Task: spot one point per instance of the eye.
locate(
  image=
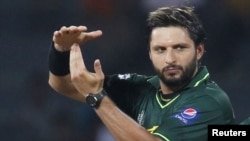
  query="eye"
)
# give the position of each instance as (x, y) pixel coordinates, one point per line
(159, 49)
(179, 47)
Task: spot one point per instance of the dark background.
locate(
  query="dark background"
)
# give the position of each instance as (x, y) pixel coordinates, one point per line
(31, 111)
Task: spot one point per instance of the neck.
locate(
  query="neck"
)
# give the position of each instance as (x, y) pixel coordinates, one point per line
(169, 90)
(165, 89)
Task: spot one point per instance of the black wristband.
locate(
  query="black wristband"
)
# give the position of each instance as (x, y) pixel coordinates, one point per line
(58, 61)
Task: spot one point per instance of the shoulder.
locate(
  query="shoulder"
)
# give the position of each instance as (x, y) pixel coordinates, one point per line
(209, 95)
(245, 121)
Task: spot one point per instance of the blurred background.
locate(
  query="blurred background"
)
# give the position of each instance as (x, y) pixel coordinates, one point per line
(31, 111)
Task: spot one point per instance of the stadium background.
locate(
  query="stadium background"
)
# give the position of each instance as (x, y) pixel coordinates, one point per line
(31, 110)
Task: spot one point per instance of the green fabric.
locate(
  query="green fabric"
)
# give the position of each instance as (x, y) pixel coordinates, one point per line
(245, 121)
(185, 117)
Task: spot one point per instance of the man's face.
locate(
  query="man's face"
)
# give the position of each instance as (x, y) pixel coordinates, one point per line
(174, 55)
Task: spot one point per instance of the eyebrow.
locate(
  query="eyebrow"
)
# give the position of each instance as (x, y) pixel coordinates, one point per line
(181, 44)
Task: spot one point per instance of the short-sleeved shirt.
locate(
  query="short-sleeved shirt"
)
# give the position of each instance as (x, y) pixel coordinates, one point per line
(245, 121)
(184, 117)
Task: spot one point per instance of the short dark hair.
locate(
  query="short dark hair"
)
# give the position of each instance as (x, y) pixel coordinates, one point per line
(177, 16)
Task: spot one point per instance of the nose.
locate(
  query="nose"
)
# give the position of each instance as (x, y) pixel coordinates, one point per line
(170, 57)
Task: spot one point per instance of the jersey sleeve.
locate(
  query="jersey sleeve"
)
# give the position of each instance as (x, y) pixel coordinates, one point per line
(123, 89)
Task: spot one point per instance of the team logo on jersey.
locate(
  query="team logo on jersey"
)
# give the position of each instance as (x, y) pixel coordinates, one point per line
(186, 115)
(189, 113)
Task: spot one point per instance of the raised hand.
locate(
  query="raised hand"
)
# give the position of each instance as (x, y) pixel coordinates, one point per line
(65, 37)
(83, 80)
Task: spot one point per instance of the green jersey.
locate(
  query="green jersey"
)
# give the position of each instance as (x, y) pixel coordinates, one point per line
(182, 116)
(245, 121)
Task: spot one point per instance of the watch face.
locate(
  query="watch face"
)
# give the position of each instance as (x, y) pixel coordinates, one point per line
(94, 100)
(91, 100)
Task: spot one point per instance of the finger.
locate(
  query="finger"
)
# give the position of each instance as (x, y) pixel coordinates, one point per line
(64, 30)
(82, 28)
(76, 60)
(56, 35)
(73, 29)
(91, 35)
(77, 29)
(98, 69)
(63, 27)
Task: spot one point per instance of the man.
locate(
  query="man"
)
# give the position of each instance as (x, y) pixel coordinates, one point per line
(176, 104)
(245, 121)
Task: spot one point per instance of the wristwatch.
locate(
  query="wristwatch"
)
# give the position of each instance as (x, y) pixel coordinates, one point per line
(94, 100)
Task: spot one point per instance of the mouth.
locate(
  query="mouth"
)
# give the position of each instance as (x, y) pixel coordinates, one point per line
(172, 70)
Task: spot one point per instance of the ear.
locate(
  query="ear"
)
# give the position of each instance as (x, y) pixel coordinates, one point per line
(150, 56)
(200, 50)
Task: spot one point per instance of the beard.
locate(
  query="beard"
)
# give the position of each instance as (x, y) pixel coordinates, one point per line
(176, 83)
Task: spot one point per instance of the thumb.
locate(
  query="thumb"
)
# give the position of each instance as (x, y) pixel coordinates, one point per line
(98, 69)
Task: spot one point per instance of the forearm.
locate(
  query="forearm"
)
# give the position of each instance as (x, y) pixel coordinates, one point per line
(64, 86)
(121, 126)
(59, 73)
